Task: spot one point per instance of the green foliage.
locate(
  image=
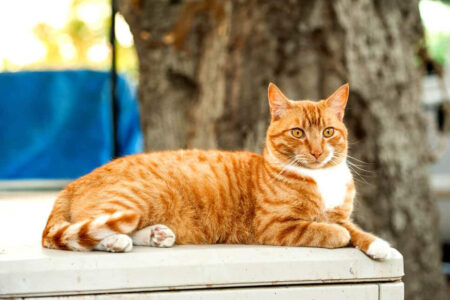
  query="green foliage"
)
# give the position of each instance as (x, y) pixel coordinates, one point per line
(438, 45)
(83, 42)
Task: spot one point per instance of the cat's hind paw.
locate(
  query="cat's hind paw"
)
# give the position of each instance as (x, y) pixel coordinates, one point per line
(115, 243)
(379, 249)
(156, 236)
(162, 236)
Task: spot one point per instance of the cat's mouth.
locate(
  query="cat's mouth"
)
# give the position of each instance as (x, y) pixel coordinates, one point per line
(310, 164)
(315, 163)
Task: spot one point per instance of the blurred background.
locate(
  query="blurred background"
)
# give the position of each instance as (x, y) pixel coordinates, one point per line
(56, 61)
(65, 34)
(76, 92)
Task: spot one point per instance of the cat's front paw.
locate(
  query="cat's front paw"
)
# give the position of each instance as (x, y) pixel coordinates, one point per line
(334, 236)
(379, 249)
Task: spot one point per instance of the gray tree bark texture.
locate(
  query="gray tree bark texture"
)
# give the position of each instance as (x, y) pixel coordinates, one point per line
(204, 72)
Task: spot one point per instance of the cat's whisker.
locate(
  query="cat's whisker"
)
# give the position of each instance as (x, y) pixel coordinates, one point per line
(334, 162)
(358, 176)
(360, 169)
(353, 163)
(354, 167)
(358, 160)
(300, 159)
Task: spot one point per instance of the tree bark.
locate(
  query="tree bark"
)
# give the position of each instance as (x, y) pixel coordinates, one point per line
(206, 87)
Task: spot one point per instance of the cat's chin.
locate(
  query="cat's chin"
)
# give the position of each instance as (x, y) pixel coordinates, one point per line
(313, 166)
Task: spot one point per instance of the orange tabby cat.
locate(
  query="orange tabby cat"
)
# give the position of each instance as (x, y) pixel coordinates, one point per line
(298, 193)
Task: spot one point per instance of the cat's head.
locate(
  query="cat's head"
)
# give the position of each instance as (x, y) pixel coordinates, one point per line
(310, 133)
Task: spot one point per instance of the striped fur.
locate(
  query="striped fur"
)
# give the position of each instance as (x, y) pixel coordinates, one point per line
(208, 197)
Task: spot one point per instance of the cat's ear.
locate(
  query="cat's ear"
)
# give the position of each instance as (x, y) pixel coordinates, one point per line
(278, 102)
(338, 100)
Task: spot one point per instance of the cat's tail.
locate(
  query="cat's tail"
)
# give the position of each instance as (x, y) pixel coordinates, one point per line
(60, 233)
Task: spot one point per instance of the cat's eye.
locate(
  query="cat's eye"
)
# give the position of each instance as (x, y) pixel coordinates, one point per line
(297, 133)
(328, 132)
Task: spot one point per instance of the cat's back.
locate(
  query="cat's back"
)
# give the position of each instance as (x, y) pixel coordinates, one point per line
(197, 160)
(203, 167)
(178, 167)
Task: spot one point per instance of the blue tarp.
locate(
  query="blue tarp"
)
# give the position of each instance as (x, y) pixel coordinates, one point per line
(57, 124)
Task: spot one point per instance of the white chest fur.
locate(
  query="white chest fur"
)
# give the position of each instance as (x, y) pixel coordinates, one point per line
(331, 182)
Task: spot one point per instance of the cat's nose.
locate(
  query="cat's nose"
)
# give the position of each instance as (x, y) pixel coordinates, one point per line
(316, 154)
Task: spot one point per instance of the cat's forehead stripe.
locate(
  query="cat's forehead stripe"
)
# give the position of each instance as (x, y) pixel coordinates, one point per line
(310, 115)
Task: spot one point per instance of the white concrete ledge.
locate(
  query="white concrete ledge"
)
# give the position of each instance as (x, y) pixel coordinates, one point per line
(35, 272)
(27, 270)
(384, 291)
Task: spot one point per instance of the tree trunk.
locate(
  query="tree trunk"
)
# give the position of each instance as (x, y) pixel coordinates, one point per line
(204, 70)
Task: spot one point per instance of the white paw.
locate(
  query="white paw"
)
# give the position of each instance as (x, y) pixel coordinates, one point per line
(116, 243)
(380, 249)
(161, 236)
(156, 236)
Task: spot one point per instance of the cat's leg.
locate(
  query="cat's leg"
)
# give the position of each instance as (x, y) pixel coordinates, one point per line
(115, 243)
(303, 233)
(373, 246)
(86, 234)
(156, 236)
